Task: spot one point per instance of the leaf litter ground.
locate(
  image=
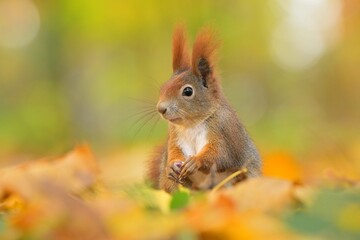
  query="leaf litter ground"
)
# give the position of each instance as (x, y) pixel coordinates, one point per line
(73, 197)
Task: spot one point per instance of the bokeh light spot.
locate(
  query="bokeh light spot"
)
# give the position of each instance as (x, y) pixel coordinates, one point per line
(304, 33)
(19, 23)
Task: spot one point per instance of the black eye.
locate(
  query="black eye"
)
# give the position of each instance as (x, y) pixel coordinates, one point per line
(187, 92)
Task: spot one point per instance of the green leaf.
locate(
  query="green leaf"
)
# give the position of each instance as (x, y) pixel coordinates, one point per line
(179, 200)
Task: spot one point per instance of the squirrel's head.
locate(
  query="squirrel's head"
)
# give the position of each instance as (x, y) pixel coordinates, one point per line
(193, 92)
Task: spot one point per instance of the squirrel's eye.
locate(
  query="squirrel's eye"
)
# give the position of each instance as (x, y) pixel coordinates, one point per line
(187, 92)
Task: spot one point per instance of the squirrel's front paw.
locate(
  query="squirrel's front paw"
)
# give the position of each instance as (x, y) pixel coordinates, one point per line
(188, 168)
(174, 169)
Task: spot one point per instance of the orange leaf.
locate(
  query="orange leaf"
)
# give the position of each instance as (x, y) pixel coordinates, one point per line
(282, 165)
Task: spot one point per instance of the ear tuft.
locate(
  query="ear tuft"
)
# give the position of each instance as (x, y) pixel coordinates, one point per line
(204, 70)
(180, 55)
(204, 54)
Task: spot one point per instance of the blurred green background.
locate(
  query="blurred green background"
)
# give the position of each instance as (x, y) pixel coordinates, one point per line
(82, 71)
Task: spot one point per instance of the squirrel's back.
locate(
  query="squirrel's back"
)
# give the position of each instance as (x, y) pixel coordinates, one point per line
(240, 147)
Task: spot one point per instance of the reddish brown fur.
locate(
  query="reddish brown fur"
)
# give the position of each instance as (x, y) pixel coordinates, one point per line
(179, 51)
(228, 147)
(153, 169)
(171, 88)
(205, 46)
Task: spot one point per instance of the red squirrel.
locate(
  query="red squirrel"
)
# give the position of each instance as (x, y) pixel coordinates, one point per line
(206, 142)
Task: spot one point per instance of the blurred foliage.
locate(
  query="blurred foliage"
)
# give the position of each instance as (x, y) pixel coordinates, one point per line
(79, 77)
(333, 215)
(38, 199)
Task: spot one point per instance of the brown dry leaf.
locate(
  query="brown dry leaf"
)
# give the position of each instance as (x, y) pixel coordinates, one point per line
(245, 211)
(333, 177)
(263, 194)
(54, 214)
(220, 219)
(75, 172)
(256, 226)
(40, 197)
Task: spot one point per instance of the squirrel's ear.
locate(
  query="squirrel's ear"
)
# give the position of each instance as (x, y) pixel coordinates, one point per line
(180, 55)
(204, 54)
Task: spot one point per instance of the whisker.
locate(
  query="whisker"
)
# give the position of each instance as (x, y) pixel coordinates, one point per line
(144, 108)
(146, 120)
(147, 107)
(141, 113)
(144, 116)
(154, 124)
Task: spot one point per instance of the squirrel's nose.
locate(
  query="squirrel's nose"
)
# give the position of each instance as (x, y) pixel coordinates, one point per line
(162, 108)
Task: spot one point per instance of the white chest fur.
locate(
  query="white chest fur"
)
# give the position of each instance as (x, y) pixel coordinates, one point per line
(192, 140)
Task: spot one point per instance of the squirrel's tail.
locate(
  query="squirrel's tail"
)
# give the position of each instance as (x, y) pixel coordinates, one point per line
(154, 166)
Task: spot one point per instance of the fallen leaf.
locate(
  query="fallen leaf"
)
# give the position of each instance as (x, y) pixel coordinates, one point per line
(75, 172)
(282, 165)
(263, 194)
